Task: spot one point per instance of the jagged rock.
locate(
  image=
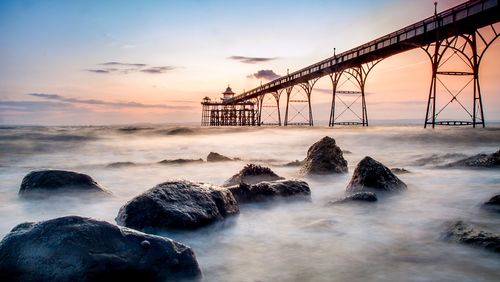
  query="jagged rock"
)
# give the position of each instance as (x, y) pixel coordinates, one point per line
(216, 157)
(180, 161)
(120, 164)
(74, 248)
(294, 163)
(397, 170)
(178, 205)
(252, 174)
(464, 233)
(480, 160)
(371, 174)
(493, 203)
(47, 182)
(357, 197)
(245, 193)
(324, 157)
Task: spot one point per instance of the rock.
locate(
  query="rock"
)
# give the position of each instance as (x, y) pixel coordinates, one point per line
(252, 174)
(480, 160)
(216, 157)
(493, 203)
(397, 170)
(120, 164)
(75, 248)
(346, 152)
(47, 182)
(357, 197)
(464, 233)
(178, 205)
(180, 161)
(245, 193)
(371, 174)
(294, 163)
(324, 157)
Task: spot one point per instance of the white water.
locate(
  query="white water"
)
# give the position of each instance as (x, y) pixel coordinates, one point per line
(395, 239)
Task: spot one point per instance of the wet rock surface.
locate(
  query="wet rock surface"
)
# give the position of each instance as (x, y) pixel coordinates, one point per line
(493, 204)
(178, 205)
(246, 193)
(357, 197)
(47, 182)
(216, 157)
(324, 157)
(371, 174)
(480, 160)
(252, 174)
(465, 233)
(82, 249)
(180, 161)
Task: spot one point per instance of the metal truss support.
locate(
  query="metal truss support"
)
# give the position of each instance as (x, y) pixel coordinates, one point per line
(470, 49)
(358, 76)
(269, 108)
(304, 100)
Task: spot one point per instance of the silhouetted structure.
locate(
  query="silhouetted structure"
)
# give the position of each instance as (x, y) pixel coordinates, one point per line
(464, 32)
(223, 114)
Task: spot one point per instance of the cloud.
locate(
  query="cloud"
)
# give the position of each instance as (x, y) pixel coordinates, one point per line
(125, 68)
(250, 60)
(30, 106)
(158, 69)
(56, 97)
(264, 74)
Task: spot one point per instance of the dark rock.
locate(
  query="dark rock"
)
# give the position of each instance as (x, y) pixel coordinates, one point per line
(40, 183)
(252, 174)
(178, 205)
(480, 160)
(216, 157)
(120, 164)
(324, 157)
(397, 170)
(245, 193)
(370, 174)
(464, 233)
(180, 131)
(493, 203)
(436, 159)
(346, 152)
(74, 248)
(358, 197)
(294, 163)
(180, 161)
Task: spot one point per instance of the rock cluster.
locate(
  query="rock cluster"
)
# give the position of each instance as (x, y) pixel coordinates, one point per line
(480, 160)
(245, 193)
(465, 233)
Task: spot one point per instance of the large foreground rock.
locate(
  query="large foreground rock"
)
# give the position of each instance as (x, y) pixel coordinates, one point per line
(493, 203)
(252, 174)
(371, 174)
(357, 197)
(245, 193)
(47, 182)
(178, 205)
(82, 249)
(480, 160)
(216, 157)
(324, 157)
(464, 233)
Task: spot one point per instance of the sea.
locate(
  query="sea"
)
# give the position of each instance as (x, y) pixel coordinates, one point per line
(397, 238)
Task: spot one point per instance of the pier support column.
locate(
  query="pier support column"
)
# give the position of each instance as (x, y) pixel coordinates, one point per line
(299, 99)
(269, 108)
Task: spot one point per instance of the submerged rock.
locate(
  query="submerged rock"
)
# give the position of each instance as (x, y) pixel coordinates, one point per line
(252, 174)
(371, 174)
(120, 164)
(324, 157)
(180, 161)
(46, 182)
(178, 205)
(245, 193)
(294, 163)
(464, 233)
(397, 170)
(480, 160)
(493, 203)
(216, 157)
(357, 197)
(74, 248)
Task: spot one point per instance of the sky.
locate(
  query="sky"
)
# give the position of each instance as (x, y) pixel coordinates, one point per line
(90, 62)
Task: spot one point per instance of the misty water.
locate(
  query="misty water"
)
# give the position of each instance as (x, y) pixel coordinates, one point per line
(397, 238)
